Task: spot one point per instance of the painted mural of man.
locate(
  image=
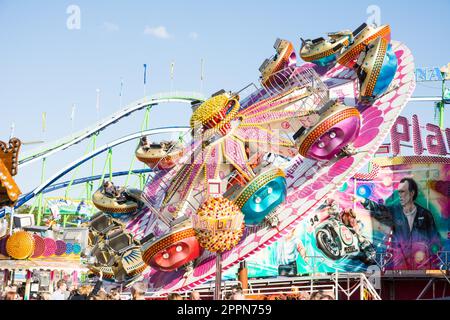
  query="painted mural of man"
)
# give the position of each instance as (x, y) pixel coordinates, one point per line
(414, 233)
(288, 250)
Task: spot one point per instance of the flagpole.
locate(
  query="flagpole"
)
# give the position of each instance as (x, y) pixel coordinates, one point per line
(120, 94)
(201, 75)
(44, 122)
(97, 105)
(72, 116)
(172, 67)
(11, 133)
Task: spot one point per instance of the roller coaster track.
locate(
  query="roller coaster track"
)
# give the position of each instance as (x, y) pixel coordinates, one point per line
(182, 97)
(66, 142)
(49, 182)
(62, 185)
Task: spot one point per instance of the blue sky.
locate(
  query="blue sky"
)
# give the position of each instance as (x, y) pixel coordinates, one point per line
(44, 66)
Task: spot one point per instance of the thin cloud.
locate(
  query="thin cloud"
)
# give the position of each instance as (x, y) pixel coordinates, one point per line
(111, 27)
(158, 32)
(193, 35)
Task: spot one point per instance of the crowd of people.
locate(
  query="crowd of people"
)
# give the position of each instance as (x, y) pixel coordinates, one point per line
(86, 292)
(236, 293)
(304, 295)
(98, 292)
(62, 292)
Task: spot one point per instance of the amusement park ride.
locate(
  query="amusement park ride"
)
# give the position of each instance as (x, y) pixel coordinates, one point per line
(9, 157)
(247, 169)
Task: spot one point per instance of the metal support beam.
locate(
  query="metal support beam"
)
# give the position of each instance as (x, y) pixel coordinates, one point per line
(430, 282)
(39, 215)
(442, 104)
(144, 127)
(218, 286)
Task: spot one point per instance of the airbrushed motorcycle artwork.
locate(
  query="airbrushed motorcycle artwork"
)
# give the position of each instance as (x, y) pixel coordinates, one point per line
(337, 235)
(272, 155)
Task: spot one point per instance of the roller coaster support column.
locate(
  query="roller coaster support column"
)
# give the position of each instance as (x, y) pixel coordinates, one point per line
(90, 184)
(66, 195)
(142, 181)
(110, 164)
(108, 160)
(39, 215)
(144, 126)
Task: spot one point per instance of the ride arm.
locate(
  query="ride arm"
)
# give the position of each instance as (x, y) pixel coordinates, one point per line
(97, 287)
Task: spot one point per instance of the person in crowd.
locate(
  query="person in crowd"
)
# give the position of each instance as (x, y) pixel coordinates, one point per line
(237, 293)
(61, 291)
(138, 291)
(11, 295)
(114, 294)
(101, 295)
(21, 292)
(321, 295)
(44, 296)
(174, 296)
(227, 295)
(82, 293)
(282, 296)
(194, 295)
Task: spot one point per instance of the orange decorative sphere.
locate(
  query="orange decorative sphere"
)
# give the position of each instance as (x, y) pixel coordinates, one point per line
(20, 245)
(219, 224)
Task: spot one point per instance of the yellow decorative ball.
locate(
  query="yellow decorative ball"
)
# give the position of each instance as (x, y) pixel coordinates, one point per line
(20, 245)
(219, 224)
(209, 109)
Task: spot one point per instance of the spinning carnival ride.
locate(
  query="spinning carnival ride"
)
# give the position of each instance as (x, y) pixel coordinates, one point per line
(273, 156)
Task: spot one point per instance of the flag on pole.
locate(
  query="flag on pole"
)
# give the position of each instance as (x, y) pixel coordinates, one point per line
(44, 120)
(172, 67)
(145, 73)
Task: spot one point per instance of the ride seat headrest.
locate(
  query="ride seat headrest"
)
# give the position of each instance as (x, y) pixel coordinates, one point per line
(317, 40)
(359, 29)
